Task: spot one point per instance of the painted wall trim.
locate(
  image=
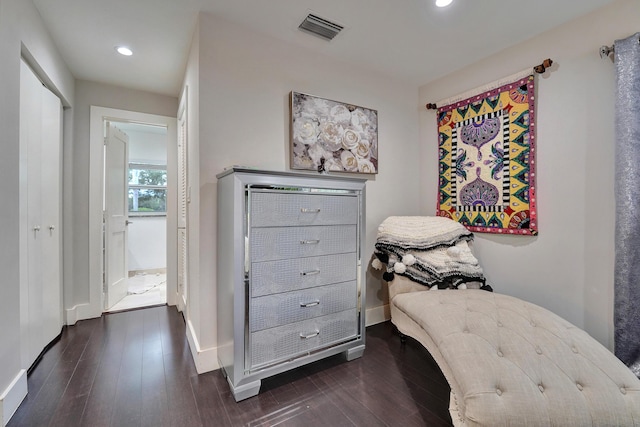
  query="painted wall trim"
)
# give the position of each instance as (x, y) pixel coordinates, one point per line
(205, 360)
(80, 312)
(12, 397)
(377, 315)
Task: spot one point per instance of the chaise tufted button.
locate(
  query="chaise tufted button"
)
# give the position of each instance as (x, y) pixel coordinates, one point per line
(623, 390)
(541, 388)
(500, 353)
(538, 350)
(500, 324)
(574, 349)
(579, 386)
(533, 323)
(499, 392)
(465, 330)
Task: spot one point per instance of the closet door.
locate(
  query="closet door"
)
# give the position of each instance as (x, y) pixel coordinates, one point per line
(31, 136)
(51, 166)
(41, 137)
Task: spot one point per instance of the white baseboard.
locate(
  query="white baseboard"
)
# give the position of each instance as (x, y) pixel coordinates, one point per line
(80, 312)
(377, 315)
(71, 316)
(205, 360)
(11, 398)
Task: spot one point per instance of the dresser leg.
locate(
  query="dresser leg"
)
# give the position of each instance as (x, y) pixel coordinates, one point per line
(354, 353)
(245, 391)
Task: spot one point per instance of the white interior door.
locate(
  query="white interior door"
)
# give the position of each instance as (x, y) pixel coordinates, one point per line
(31, 136)
(115, 214)
(40, 167)
(51, 167)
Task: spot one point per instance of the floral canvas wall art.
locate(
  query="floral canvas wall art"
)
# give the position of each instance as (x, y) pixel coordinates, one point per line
(331, 136)
(487, 160)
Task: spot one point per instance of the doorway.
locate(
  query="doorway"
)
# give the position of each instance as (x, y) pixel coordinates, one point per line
(98, 268)
(145, 244)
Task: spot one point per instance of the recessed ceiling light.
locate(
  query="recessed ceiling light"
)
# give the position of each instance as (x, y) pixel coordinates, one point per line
(443, 3)
(123, 50)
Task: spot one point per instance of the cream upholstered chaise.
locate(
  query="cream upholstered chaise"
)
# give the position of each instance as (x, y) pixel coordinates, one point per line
(508, 362)
(513, 363)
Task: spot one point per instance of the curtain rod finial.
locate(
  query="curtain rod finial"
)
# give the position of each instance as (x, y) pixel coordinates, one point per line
(605, 51)
(542, 67)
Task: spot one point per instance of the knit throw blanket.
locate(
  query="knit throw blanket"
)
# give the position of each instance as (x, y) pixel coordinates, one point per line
(433, 251)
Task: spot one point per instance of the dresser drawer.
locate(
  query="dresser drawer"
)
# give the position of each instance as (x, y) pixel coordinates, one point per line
(280, 309)
(283, 209)
(270, 244)
(271, 277)
(284, 342)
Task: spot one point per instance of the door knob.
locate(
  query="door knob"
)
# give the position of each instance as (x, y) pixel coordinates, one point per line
(127, 222)
(36, 228)
(52, 227)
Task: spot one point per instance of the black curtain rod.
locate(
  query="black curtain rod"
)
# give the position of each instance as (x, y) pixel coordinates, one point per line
(538, 69)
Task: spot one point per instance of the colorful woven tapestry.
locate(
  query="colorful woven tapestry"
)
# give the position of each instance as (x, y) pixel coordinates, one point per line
(487, 160)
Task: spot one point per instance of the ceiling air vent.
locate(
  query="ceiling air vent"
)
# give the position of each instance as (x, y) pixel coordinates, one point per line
(320, 27)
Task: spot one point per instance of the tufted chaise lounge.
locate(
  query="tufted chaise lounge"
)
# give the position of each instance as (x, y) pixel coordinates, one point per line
(513, 363)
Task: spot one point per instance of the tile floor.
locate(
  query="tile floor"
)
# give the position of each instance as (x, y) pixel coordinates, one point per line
(144, 290)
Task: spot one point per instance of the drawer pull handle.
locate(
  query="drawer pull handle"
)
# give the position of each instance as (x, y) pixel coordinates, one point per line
(309, 242)
(310, 273)
(311, 335)
(310, 304)
(307, 210)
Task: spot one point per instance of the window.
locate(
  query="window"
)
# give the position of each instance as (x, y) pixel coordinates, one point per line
(147, 189)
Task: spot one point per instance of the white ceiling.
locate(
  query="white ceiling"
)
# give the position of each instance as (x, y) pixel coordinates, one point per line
(411, 40)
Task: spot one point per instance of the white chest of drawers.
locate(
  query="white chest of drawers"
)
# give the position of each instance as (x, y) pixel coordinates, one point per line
(289, 272)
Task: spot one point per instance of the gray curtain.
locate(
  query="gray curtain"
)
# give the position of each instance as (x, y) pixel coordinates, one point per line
(627, 194)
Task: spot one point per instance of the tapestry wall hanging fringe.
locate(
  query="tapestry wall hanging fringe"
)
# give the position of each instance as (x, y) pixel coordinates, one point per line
(487, 157)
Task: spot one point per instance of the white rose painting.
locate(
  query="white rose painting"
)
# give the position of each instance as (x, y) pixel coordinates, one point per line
(330, 136)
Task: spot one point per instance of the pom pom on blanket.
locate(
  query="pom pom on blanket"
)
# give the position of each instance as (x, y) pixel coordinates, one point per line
(384, 258)
(377, 264)
(399, 268)
(408, 259)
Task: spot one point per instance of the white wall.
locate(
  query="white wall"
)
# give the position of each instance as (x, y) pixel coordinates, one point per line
(243, 86)
(21, 29)
(568, 268)
(147, 147)
(147, 243)
(190, 98)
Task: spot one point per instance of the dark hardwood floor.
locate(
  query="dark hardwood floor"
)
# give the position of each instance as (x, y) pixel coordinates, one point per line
(135, 369)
